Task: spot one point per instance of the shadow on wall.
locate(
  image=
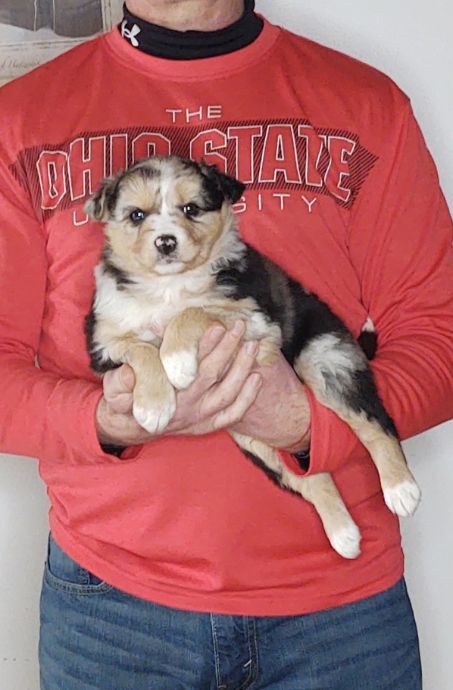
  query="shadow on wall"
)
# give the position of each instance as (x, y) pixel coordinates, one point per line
(65, 17)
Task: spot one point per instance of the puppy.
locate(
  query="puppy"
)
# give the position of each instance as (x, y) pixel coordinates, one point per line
(174, 262)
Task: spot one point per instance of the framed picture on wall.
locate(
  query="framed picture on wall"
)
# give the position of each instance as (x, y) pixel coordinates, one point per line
(35, 31)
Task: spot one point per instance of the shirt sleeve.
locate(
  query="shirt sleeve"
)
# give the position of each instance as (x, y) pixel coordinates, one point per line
(400, 243)
(41, 414)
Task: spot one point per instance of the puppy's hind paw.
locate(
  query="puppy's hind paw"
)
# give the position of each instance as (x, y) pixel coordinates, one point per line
(403, 499)
(346, 541)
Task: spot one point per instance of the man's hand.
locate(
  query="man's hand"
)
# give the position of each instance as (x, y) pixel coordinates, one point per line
(220, 396)
(280, 415)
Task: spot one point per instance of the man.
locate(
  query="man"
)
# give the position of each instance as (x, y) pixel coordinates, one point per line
(174, 563)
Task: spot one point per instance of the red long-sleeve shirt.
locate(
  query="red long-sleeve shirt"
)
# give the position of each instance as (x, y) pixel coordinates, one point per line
(342, 192)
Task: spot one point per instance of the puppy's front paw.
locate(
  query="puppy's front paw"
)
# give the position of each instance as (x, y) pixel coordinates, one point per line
(154, 411)
(180, 367)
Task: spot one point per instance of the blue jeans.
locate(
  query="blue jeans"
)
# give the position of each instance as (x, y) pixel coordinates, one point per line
(94, 637)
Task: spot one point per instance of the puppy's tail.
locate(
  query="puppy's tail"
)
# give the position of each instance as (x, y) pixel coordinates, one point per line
(368, 339)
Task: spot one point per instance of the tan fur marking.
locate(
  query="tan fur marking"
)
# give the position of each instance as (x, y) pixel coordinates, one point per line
(268, 352)
(179, 349)
(140, 192)
(154, 399)
(317, 489)
(185, 330)
(257, 327)
(385, 450)
(133, 245)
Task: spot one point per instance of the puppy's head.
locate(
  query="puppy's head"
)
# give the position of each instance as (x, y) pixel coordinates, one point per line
(165, 215)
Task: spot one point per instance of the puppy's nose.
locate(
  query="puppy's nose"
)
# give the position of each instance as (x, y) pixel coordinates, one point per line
(166, 244)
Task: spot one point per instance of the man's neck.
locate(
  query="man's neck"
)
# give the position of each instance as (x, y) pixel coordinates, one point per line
(187, 15)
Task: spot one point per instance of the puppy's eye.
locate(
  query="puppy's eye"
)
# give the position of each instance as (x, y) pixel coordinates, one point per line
(191, 210)
(137, 215)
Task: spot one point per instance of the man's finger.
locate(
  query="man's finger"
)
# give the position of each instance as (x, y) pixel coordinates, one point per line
(222, 395)
(210, 339)
(233, 414)
(214, 364)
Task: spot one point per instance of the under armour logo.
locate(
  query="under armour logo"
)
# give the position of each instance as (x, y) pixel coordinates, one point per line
(130, 34)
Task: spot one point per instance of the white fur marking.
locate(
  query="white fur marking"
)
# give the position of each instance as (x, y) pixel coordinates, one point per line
(346, 541)
(154, 420)
(181, 368)
(330, 354)
(148, 336)
(403, 498)
(368, 326)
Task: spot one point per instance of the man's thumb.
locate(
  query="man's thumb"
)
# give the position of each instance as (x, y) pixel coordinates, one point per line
(126, 378)
(118, 386)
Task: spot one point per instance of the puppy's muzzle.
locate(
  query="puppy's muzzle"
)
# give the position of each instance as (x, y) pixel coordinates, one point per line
(166, 244)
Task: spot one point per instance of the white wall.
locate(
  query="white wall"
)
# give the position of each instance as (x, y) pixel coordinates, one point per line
(410, 40)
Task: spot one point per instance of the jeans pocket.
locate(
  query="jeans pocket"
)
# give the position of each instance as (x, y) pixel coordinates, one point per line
(65, 575)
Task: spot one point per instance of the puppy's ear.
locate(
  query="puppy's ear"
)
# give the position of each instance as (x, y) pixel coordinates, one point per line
(101, 204)
(230, 187)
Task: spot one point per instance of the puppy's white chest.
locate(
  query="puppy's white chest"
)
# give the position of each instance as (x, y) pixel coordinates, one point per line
(145, 312)
(152, 319)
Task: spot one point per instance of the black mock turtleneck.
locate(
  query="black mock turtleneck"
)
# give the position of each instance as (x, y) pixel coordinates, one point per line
(191, 45)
